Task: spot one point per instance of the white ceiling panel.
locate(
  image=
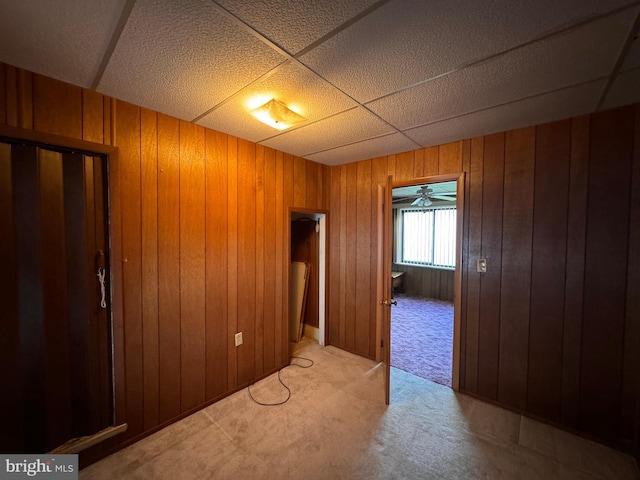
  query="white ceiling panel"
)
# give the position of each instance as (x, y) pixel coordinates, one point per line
(532, 111)
(292, 84)
(375, 147)
(348, 127)
(182, 57)
(584, 54)
(61, 39)
(295, 25)
(624, 90)
(408, 41)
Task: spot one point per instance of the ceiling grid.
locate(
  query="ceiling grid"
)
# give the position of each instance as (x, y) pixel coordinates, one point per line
(372, 78)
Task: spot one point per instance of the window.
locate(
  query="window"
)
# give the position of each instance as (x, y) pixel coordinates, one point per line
(427, 236)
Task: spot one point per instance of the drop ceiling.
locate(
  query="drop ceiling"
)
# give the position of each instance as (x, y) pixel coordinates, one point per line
(372, 78)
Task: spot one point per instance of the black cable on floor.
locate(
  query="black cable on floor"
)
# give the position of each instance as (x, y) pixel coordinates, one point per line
(283, 384)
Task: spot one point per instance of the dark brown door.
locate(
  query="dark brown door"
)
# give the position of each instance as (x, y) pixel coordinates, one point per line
(55, 354)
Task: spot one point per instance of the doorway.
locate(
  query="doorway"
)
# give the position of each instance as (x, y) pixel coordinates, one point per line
(424, 245)
(56, 353)
(308, 245)
(384, 277)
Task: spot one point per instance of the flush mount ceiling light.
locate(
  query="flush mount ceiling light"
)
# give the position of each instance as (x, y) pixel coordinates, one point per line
(277, 115)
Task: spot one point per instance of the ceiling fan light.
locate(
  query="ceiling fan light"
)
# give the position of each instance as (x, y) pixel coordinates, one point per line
(277, 115)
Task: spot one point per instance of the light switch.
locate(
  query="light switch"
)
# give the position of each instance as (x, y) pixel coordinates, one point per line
(482, 265)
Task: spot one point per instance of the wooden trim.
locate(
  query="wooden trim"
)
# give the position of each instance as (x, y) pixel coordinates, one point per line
(56, 141)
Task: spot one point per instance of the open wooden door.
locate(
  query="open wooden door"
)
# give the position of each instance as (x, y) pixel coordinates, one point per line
(55, 347)
(385, 238)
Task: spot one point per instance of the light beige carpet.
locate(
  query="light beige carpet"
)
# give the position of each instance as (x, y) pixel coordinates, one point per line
(336, 426)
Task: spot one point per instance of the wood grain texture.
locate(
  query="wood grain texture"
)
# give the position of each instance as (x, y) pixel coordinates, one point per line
(192, 259)
(475, 180)
(25, 99)
(404, 166)
(169, 266)
(288, 199)
(92, 116)
(3, 95)
(606, 255)
(10, 370)
(553, 155)
(270, 236)
(489, 321)
(426, 282)
(515, 287)
(280, 328)
(216, 264)
(57, 107)
(378, 177)
(631, 356)
(351, 178)
(450, 158)
(335, 263)
(232, 264)
(299, 186)
(258, 320)
(574, 274)
(11, 86)
(149, 205)
(128, 141)
(363, 248)
(246, 259)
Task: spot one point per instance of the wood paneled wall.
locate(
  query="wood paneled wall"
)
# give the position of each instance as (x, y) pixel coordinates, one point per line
(426, 282)
(202, 223)
(553, 328)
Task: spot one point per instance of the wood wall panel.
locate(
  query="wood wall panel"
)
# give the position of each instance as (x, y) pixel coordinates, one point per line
(149, 195)
(351, 251)
(574, 271)
(270, 235)
(232, 265)
(363, 255)
(427, 282)
(553, 155)
(57, 107)
(128, 141)
(450, 158)
(260, 256)
(93, 117)
(246, 259)
(515, 285)
(216, 263)
(611, 150)
(280, 308)
(169, 266)
(631, 360)
(489, 320)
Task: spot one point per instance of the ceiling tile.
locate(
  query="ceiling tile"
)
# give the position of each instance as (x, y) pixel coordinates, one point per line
(295, 25)
(584, 54)
(292, 84)
(375, 147)
(632, 60)
(348, 127)
(624, 90)
(181, 57)
(408, 41)
(532, 111)
(65, 39)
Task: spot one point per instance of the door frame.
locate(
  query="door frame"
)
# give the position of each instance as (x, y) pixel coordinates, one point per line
(110, 153)
(459, 178)
(322, 216)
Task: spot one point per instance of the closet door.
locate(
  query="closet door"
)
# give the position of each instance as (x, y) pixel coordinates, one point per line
(55, 351)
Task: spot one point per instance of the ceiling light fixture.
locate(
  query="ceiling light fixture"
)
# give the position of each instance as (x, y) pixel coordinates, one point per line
(277, 115)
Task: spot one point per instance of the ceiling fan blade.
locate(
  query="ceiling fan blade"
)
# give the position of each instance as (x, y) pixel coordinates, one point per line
(444, 197)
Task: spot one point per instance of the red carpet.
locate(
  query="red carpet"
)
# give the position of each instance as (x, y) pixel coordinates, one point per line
(422, 337)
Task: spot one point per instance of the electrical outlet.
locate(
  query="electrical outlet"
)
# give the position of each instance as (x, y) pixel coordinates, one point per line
(238, 339)
(482, 265)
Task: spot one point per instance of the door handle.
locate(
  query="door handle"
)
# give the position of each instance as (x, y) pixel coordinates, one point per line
(389, 303)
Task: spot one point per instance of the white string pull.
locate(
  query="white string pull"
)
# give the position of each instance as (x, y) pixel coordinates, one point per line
(103, 292)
